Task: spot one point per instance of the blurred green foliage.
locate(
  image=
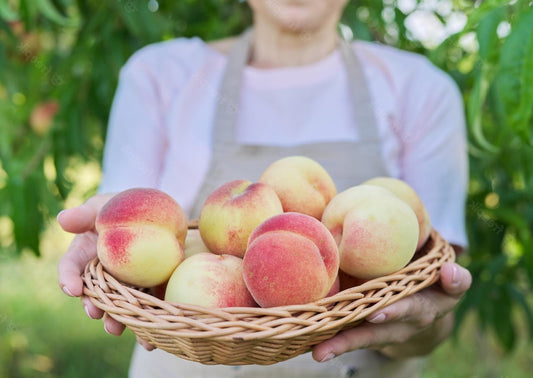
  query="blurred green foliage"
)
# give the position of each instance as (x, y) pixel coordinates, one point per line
(59, 63)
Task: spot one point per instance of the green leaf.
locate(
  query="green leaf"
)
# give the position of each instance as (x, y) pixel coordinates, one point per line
(50, 12)
(4, 26)
(515, 78)
(24, 212)
(479, 13)
(503, 324)
(486, 33)
(521, 300)
(7, 13)
(474, 108)
(27, 12)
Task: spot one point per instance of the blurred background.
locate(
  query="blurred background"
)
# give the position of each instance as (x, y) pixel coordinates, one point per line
(59, 64)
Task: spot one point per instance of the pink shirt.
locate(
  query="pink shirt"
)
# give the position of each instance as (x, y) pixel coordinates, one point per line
(162, 117)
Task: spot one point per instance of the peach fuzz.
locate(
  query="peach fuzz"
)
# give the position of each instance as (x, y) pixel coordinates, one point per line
(209, 280)
(406, 193)
(342, 203)
(232, 211)
(309, 228)
(302, 184)
(282, 268)
(140, 236)
(144, 206)
(379, 237)
(291, 259)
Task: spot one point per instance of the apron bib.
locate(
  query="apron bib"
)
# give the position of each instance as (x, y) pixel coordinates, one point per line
(348, 163)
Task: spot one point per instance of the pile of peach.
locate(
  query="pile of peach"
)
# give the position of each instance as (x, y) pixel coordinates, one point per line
(289, 238)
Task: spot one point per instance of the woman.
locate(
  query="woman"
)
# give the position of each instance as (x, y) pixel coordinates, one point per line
(189, 116)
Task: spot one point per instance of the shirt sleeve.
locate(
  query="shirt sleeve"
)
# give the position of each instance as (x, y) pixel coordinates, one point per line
(434, 158)
(136, 138)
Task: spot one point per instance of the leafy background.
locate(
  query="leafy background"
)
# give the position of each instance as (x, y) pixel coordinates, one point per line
(59, 64)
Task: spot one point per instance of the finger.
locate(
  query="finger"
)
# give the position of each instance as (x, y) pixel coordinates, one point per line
(70, 267)
(364, 336)
(149, 347)
(112, 326)
(432, 303)
(77, 219)
(455, 280)
(420, 310)
(81, 218)
(91, 310)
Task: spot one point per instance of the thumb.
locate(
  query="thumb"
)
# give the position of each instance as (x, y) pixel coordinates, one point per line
(81, 218)
(455, 280)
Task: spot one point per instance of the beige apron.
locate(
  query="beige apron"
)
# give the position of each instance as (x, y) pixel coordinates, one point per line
(349, 163)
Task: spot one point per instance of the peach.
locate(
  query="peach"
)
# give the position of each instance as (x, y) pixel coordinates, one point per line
(377, 232)
(406, 193)
(291, 259)
(42, 117)
(141, 233)
(335, 212)
(194, 243)
(302, 184)
(232, 211)
(209, 280)
(309, 228)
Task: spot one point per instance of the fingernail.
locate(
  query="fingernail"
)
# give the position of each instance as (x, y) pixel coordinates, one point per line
(105, 328)
(328, 357)
(87, 311)
(455, 276)
(377, 318)
(59, 214)
(67, 291)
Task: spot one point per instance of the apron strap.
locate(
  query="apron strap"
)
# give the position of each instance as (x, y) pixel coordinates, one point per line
(228, 101)
(363, 108)
(227, 111)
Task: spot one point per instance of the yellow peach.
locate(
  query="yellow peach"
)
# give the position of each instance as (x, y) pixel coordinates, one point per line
(302, 184)
(335, 212)
(406, 193)
(376, 231)
(291, 259)
(141, 233)
(232, 211)
(209, 280)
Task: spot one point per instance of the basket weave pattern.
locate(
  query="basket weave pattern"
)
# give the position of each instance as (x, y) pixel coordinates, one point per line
(263, 336)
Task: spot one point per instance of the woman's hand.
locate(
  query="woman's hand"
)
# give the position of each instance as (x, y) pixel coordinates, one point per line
(80, 221)
(413, 326)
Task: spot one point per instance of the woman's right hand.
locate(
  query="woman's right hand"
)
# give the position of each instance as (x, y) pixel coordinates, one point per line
(81, 221)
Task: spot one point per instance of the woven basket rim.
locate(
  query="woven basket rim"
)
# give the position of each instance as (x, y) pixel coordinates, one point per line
(136, 307)
(255, 335)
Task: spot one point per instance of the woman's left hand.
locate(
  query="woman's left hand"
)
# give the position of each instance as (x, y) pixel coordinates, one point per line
(413, 326)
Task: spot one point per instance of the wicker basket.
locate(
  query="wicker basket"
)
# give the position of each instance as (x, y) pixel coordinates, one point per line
(263, 336)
